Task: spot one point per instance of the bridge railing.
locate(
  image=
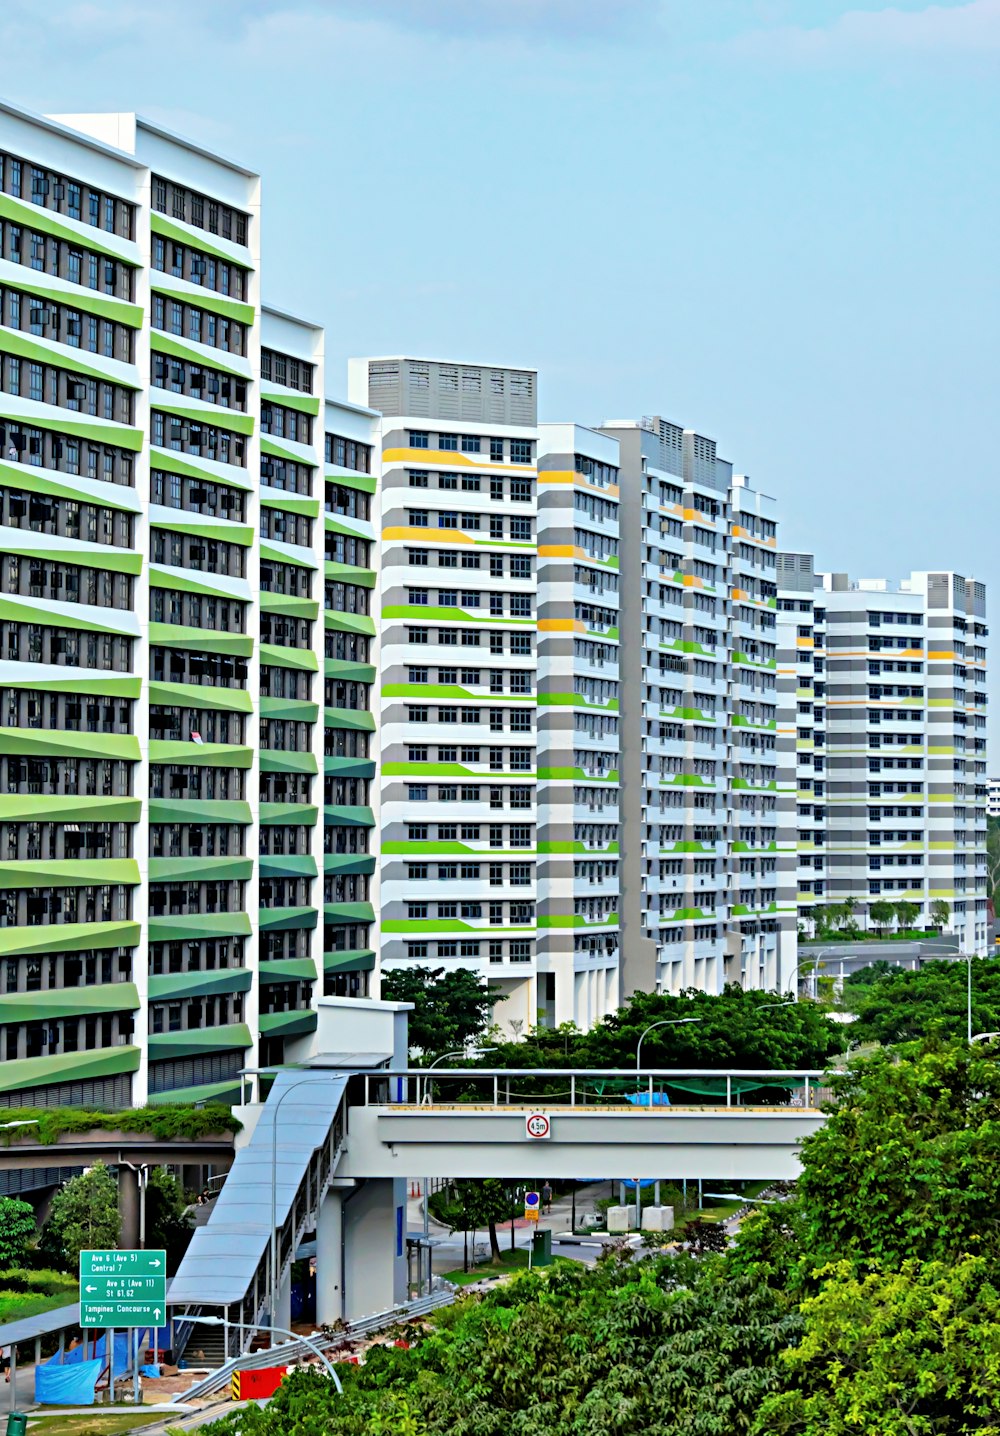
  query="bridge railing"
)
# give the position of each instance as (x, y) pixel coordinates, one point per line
(659, 1090)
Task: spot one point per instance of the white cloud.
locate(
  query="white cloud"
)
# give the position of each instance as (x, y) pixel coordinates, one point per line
(936, 32)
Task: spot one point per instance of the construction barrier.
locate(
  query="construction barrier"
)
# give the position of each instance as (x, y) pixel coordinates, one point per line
(252, 1385)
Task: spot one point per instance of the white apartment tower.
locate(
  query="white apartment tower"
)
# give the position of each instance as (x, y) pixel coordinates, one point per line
(706, 859)
(888, 683)
(456, 704)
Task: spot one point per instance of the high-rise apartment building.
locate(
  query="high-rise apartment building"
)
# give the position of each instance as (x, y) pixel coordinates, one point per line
(706, 863)
(578, 714)
(993, 797)
(456, 706)
(888, 687)
(163, 454)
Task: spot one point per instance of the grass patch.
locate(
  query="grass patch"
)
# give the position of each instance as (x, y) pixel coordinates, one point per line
(29, 1293)
(97, 1423)
(510, 1261)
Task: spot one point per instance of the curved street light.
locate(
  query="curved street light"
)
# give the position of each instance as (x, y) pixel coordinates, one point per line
(667, 1022)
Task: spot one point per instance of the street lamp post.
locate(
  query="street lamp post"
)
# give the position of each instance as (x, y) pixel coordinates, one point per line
(984, 1037)
(812, 962)
(281, 1331)
(667, 1022)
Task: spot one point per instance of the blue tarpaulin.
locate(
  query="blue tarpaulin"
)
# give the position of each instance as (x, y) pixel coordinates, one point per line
(641, 1099)
(70, 1384)
(91, 1349)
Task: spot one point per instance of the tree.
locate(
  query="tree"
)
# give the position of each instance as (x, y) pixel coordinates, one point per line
(450, 1009)
(873, 972)
(907, 1353)
(906, 913)
(907, 1165)
(84, 1214)
(903, 1006)
(168, 1224)
(481, 1204)
(882, 914)
(940, 914)
(17, 1227)
(739, 1029)
(665, 1346)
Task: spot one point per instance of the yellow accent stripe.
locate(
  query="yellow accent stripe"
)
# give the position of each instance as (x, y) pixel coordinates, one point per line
(427, 535)
(561, 625)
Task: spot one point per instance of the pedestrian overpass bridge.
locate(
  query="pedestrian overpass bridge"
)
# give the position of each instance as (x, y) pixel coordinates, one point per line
(332, 1148)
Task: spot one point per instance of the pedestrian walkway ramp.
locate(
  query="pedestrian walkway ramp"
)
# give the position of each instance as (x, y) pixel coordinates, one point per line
(270, 1200)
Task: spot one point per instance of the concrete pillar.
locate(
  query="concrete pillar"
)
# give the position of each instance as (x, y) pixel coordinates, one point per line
(374, 1219)
(283, 1306)
(128, 1206)
(330, 1258)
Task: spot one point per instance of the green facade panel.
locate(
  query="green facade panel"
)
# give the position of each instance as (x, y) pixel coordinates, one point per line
(182, 927)
(296, 708)
(290, 607)
(68, 1067)
(349, 911)
(13, 342)
(208, 299)
(303, 403)
(71, 808)
(302, 814)
(343, 668)
(226, 1094)
(161, 343)
(288, 1024)
(17, 610)
(349, 863)
(357, 718)
(176, 870)
(349, 815)
(68, 872)
(67, 937)
(349, 767)
(199, 810)
(278, 656)
(169, 985)
(69, 1002)
(291, 865)
(201, 640)
(200, 755)
(195, 695)
(59, 486)
(55, 743)
(271, 762)
(287, 919)
(360, 959)
(225, 1038)
(190, 466)
(288, 969)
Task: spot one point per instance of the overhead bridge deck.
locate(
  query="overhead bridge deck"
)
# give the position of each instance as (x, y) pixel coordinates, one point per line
(592, 1131)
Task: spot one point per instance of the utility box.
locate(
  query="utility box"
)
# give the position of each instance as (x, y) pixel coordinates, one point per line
(658, 1219)
(620, 1219)
(541, 1248)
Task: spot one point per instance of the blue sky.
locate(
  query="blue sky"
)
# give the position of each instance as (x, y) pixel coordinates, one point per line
(772, 220)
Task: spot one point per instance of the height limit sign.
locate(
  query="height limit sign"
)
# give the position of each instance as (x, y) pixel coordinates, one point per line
(123, 1288)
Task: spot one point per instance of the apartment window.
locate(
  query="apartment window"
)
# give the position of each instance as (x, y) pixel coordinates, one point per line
(496, 450)
(419, 439)
(520, 451)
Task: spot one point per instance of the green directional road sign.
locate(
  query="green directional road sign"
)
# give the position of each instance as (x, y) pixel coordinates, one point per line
(123, 1288)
